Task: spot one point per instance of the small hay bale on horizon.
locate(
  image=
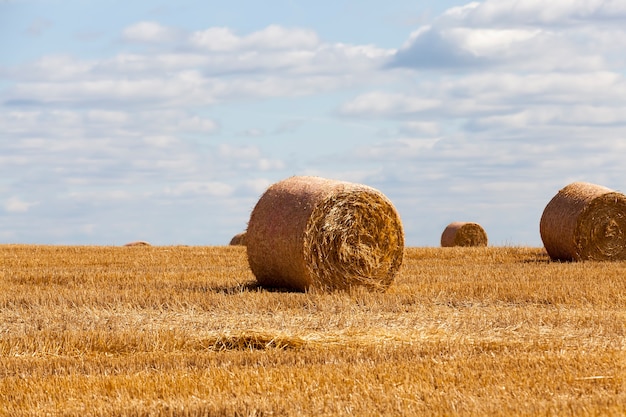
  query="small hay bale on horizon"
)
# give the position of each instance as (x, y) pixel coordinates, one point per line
(238, 240)
(463, 234)
(585, 221)
(312, 232)
(138, 243)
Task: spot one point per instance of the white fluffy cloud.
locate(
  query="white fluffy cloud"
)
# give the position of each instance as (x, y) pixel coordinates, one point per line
(521, 36)
(388, 104)
(536, 12)
(521, 97)
(273, 37)
(151, 32)
(199, 69)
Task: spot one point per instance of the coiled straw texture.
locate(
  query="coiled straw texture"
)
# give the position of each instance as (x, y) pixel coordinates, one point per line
(585, 221)
(311, 232)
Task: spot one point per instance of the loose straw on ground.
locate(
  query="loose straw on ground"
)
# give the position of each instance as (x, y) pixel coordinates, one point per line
(311, 232)
(464, 234)
(585, 222)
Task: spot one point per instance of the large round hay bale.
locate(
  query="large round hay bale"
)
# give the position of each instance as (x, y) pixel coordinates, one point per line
(239, 239)
(585, 221)
(463, 234)
(312, 232)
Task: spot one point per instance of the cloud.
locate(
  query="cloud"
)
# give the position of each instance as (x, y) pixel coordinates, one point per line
(248, 157)
(149, 32)
(403, 148)
(133, 138)
(199, 69)
(57, 68)
(520, 35)
(535, 12)
(257, 185)
(273, 37)
(17, 205)
(482, 114)
(420, 129)
(431, 48)
(387, 104)
(199, 188)
(498, 105)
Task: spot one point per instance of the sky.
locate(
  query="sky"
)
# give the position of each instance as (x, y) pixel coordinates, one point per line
(166, 121)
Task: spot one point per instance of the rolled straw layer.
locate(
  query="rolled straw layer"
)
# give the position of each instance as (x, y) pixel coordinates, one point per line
(464, 234)
(314, 232)
(585, 221)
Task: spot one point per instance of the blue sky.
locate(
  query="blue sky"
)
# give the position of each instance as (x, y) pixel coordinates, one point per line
(165, 121)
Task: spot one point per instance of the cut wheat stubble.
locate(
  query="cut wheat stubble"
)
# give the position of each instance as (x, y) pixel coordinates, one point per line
(311, 232)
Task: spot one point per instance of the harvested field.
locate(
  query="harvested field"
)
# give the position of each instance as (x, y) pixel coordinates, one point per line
(188, 331)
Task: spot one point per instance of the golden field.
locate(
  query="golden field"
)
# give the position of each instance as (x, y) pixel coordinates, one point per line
(139, 331)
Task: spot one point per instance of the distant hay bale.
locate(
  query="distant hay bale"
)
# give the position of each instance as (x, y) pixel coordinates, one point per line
(463, 234)
(312, 232)
(137, 243)
(585, 221)
(239, 239)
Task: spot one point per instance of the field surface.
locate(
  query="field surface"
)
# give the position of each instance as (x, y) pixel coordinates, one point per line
(139, 331)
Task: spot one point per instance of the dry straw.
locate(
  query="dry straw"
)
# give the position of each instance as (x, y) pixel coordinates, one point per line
(585, 222)
(239, 239)
(463, 234)
(312, 232)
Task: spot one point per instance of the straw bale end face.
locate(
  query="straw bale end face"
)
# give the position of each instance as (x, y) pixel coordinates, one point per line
(311, 232)
(585, 221)
(463, 234)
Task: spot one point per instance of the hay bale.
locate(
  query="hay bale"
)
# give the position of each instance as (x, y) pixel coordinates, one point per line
(463, 234)
(239, 239)
(585, 221)
(137, 243)
(312, 232)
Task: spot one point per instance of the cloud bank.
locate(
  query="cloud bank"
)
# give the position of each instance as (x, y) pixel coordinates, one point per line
(482, 114)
